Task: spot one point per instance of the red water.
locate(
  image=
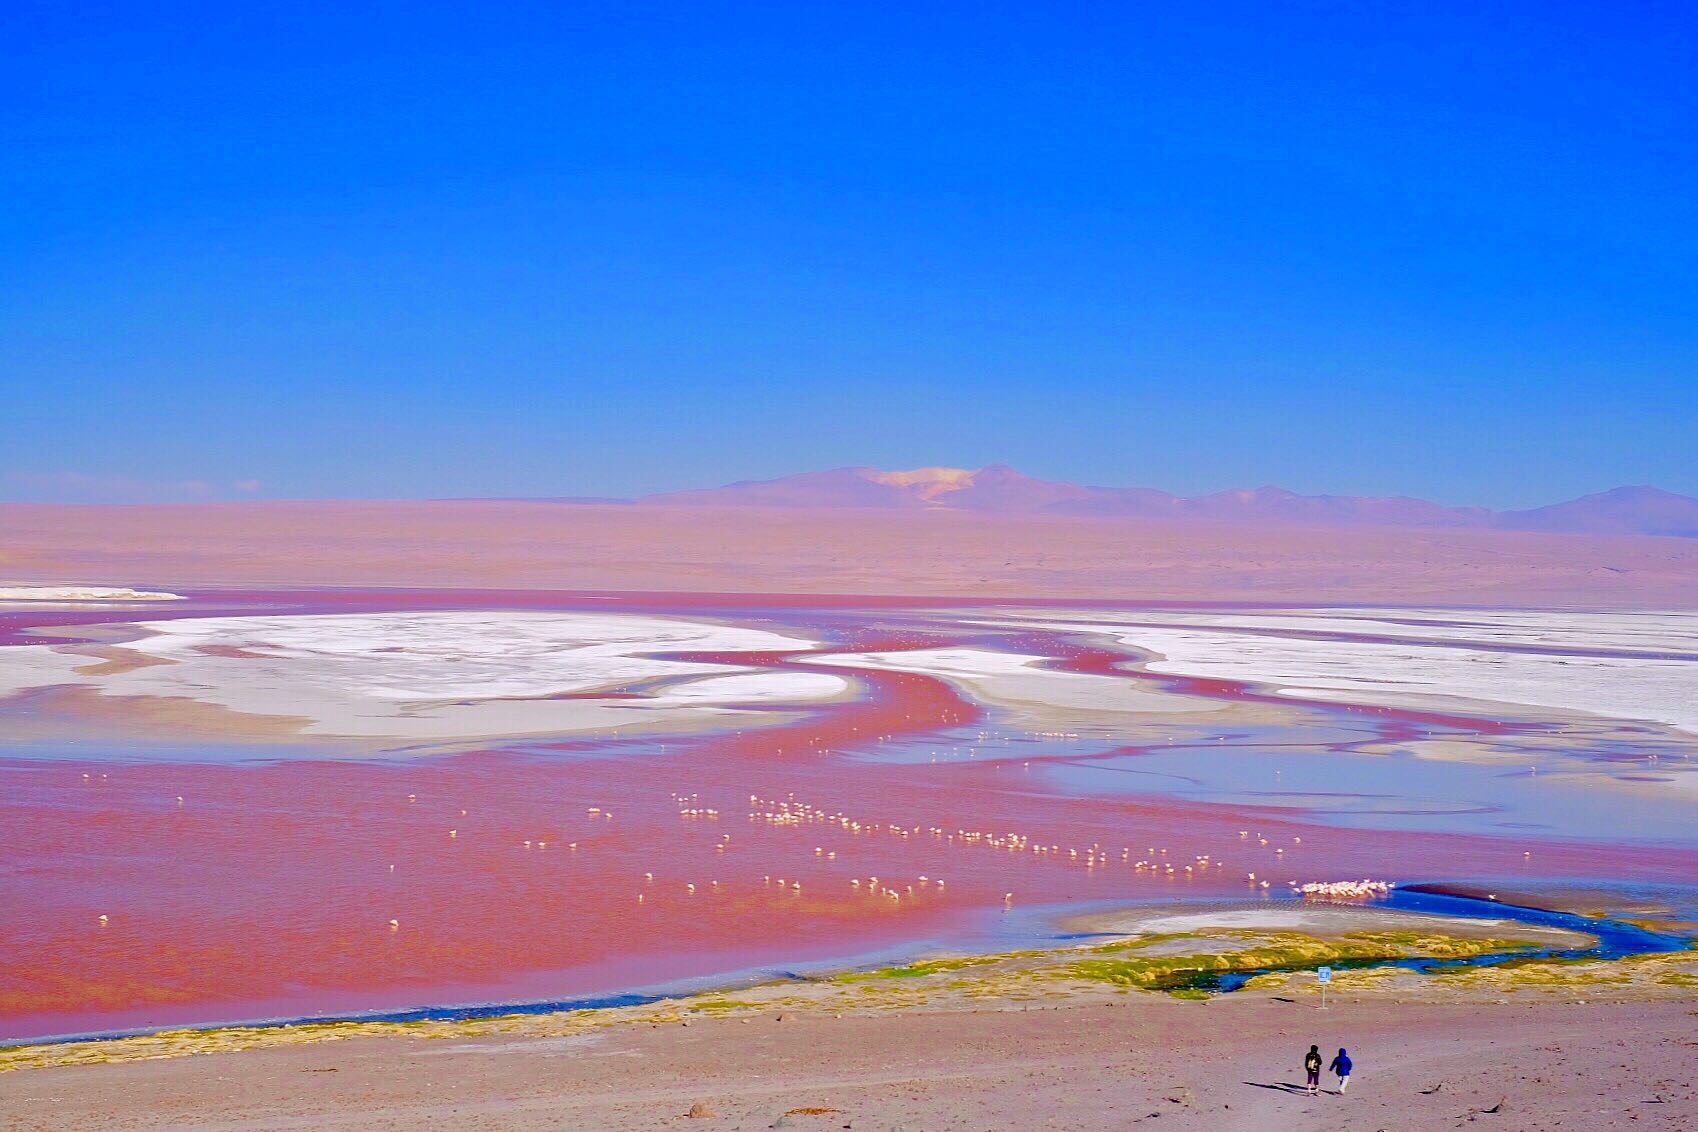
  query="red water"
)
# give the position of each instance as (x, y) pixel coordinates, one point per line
(269, 890)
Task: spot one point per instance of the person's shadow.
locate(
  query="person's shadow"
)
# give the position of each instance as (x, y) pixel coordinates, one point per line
(1278, 1086)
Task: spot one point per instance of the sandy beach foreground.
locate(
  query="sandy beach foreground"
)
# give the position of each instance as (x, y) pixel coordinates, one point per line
(1230, 1063)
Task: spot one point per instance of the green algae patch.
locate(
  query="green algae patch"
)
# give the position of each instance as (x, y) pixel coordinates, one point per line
(928, 967)
(1126, 964)
(1646, 971)
(1425, 945)
(1284, 952)
(1169, 973)
(1568, 971)
(1548, 973)
(1140, 942)
(182, 1043)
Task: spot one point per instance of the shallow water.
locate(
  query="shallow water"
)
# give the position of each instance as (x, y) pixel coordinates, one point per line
(1616, 939)
(245, 880)
(1391, 791)
(1034, 929)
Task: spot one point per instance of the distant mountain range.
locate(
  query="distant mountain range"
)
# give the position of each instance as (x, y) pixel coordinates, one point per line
(1000, 490)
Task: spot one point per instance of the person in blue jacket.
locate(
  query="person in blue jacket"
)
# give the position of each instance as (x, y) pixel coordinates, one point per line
(1341, 1066)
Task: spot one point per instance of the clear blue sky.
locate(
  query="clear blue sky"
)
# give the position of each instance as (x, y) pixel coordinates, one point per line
(425, 250)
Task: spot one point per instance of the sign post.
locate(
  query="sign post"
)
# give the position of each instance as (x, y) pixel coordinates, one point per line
(1324, 974)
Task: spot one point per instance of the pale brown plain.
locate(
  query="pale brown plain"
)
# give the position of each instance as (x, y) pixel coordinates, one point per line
(1232, 1065)
(498, 544)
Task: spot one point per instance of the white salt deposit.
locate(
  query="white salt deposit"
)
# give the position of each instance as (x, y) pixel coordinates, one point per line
(433, 675)
(1439, 658)
(1014, 680)
(81, 594)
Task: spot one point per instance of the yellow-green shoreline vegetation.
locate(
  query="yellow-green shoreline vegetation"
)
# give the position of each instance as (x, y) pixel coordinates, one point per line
(1181, 970)
(1185, 974)
(933, 967)
(1171, 964)
(1654, 975)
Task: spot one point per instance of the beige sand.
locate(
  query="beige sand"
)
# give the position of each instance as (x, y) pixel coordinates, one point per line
(548, 545)
(1140, 1060)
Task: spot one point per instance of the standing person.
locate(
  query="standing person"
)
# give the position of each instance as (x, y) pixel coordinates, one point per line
(1341, 1066)
(1312, 1070)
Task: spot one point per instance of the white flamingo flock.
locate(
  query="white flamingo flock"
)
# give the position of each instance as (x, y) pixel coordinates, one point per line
(1156, 862)
(789, 813)
(1363, 889)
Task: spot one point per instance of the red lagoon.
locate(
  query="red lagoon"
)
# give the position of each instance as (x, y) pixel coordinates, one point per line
(152, 894)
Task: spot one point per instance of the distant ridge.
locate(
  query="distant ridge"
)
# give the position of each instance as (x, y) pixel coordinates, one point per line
(584, 499)
(1621, 510)
(1000, 489)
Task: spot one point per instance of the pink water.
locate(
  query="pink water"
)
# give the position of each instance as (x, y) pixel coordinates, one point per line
(270, 889)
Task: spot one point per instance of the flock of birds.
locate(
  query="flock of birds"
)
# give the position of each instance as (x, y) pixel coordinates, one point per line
(1363, 889)
(788, 812)
(791, 813)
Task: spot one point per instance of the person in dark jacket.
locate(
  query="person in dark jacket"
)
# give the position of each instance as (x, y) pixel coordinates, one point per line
(1312, 1070)
(1341, 1066)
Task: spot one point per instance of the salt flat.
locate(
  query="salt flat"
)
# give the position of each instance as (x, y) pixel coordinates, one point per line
(79, 594)
(429, 675)
(1438, 659)
(778, 550)
(1018, 682)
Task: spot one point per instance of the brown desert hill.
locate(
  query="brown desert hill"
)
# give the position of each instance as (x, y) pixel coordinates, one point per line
(998, 489)
(896, 551)
(1623, 510)
(1276, 503)
(1271, 504)
(1001, 490)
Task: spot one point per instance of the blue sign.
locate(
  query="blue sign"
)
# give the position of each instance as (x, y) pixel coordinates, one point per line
(1324, 974)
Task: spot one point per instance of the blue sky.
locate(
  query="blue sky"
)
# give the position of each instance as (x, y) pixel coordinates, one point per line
(430, 250)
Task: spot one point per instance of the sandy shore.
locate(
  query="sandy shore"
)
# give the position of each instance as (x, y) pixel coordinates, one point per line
(1231, 1063)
